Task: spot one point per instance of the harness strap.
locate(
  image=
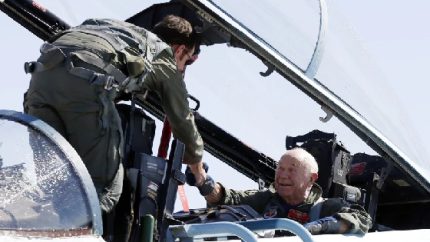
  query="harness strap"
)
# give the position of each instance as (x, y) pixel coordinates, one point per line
(93, 77)
(135, 63)
(92, 59)
(315, 212)
(53, 56)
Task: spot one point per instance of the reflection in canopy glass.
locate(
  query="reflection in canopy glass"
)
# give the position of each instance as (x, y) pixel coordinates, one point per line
(39, 189)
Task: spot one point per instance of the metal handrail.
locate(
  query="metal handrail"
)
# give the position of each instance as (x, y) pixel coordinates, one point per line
(279, 224)
(243, 230)
(189, 232)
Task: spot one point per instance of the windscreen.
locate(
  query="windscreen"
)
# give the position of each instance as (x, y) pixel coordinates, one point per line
(38, 188)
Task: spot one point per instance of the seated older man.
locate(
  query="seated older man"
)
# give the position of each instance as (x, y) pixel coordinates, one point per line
(294, 195)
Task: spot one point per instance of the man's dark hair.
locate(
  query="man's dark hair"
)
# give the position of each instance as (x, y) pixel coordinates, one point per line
(176, 30)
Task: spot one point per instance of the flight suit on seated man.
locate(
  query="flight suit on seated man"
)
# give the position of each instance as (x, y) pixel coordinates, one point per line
(294, 195)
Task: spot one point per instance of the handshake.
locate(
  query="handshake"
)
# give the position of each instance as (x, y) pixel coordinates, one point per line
(208, 184)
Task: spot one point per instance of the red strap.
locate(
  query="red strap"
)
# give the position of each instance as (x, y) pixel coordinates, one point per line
(162, 152)
(165, 139)
(183, 198)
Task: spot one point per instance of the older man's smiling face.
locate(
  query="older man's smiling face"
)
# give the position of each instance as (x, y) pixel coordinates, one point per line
(292, 180)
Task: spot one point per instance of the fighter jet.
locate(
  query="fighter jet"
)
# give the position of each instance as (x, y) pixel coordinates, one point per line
(48, 192)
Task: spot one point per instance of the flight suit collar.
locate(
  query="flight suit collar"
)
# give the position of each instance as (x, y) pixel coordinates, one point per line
(314, 194)
(277, 207)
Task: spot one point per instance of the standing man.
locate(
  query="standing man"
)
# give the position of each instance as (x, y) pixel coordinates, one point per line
(80, 74)
(295, 196)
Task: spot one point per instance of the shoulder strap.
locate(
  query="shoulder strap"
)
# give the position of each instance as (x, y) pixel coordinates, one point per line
(315, 212)
(154, 46)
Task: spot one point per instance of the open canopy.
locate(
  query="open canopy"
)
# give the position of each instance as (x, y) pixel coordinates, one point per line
(44, 186)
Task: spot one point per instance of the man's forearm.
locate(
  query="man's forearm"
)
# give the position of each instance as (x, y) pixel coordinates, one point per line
(216, 195)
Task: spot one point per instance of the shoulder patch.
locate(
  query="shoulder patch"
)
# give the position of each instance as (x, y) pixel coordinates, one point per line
(271, 212)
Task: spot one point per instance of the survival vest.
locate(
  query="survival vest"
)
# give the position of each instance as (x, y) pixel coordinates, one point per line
(103, 51)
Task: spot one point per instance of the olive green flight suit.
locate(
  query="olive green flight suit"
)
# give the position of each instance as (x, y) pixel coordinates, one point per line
(271, 205)
(71, 95)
